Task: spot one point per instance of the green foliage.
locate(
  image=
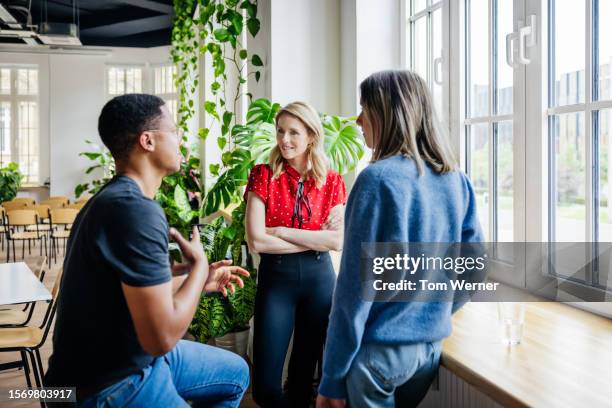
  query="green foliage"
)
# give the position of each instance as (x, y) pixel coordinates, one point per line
(177, 193)
(10, 181)
(217, 315)
(102, 162)
(343, 143)
(216, 32)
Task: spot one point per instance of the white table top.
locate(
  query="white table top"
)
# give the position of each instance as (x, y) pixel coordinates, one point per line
(18, 284)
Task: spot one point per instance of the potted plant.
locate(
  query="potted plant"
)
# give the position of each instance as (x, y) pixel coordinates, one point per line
(10, 181)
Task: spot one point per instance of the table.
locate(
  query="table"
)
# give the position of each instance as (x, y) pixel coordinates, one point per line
(18, 284)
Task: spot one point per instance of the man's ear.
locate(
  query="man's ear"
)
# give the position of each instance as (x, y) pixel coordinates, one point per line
(146, 141)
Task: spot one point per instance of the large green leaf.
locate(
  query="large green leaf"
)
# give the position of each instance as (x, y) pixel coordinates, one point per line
(259, 140)
(182, 204)
(262, 110)
(343, 143)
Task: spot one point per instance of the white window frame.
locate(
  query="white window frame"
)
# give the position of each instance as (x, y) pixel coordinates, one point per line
(144, 77)
(530, 124)
(14, 99)
(165, 96)
(407, 57)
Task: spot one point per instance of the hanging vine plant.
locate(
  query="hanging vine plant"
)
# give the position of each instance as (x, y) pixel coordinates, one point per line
(216, 30)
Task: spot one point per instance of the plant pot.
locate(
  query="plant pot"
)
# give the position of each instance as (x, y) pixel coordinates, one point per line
(236, 342)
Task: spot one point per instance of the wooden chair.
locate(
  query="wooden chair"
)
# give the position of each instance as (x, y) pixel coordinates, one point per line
(2, 226)
(23, 218)
(77, 206)
(43, 216)
(21, 317)
(63, 199)
(28, 340)
(60, 217)
(14, 205)
(27, 200)
(53, 204)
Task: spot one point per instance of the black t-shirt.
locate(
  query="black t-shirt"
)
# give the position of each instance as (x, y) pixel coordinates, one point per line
(119, 236)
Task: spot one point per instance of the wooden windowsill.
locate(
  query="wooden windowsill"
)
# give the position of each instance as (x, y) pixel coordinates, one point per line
(564, 359)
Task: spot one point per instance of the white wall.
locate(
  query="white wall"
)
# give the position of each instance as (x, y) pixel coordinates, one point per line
(304, 61)
(76, 94)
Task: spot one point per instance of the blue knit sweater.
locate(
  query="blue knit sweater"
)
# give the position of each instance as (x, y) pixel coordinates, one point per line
(390, 202)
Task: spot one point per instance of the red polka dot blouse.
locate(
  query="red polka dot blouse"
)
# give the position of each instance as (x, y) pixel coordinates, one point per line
(295, 204)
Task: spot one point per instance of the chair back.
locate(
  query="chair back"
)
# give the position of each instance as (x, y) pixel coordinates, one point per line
(77, 206)
(64, 216)
(14, 205)
(63, 199)
(53, 203)
(40, 267)
(27, 200)
(51, 309)
(22, 217)
(42, 210)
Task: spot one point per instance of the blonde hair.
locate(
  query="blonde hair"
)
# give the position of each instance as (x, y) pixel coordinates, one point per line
(317, 160)
(399, 106)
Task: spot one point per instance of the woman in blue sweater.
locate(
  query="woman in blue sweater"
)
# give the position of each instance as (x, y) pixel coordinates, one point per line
(384, 354)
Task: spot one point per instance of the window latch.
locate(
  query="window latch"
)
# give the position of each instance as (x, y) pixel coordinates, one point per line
(526, 37)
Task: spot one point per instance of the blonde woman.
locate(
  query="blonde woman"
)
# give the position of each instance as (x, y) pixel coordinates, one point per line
(385, 354)
(294, 217)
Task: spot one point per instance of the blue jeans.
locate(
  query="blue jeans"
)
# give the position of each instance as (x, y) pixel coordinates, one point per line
(389, 376)
(206, 375)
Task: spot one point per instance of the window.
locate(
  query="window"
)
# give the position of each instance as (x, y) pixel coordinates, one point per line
(19, 120)
(122, 80)
(165, 87)
(425, 45)
(579, 106)
(488, 124)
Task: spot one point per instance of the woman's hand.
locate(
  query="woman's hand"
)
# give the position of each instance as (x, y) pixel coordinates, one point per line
(222, 275)
(279, 232)
(335, 219)
(324, 402)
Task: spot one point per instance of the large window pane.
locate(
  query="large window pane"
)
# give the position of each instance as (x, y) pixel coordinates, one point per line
(478, 84)
(503, 91)
(568, 51)
(505, 182)
(479, 171)
(5, 81)
(5, 133)
(28, 140)
(27, 81)
(604, 35)
(418, 5)
(420, 46)
(569, 177)
(605, 175)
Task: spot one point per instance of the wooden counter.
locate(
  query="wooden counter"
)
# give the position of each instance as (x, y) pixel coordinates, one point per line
(564, 359)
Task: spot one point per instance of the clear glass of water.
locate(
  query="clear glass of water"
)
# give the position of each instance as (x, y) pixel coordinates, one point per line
(511, 321)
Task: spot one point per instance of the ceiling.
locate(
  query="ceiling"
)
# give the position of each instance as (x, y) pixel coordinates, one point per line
(110, 23)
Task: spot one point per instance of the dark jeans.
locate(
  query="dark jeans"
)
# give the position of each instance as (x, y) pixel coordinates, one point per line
(294, 295)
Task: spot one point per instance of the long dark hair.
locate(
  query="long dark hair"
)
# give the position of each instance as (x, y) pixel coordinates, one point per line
(400, 109)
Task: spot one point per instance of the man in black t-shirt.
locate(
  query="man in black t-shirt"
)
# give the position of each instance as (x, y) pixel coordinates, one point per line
(122, 308)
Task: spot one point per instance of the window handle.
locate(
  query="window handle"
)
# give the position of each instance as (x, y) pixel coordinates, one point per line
(437, 67)
(527, 38)
(510, 38)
